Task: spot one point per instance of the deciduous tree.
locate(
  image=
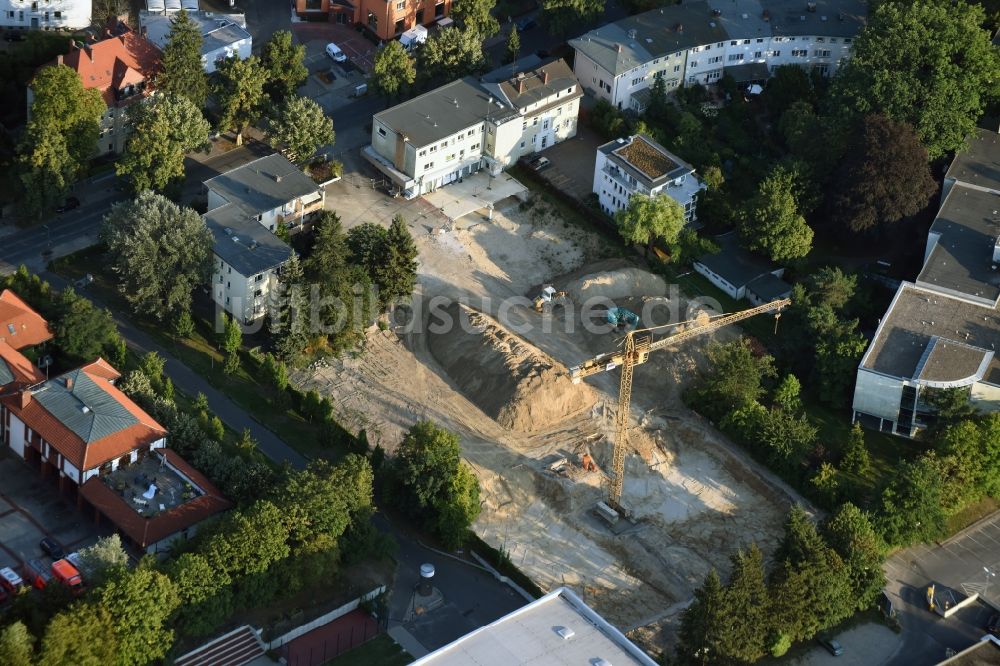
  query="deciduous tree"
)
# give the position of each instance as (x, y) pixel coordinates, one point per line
(928, 63)
(476, 16)
(563, 17)
(240, 93)
(451, 54)
(82, 635)
(648, 220)
(285, 64)
(772, 223)
(183, 73)
(912, 507)
(393, 70)
(735, 378)
(16, 645)
(166, 127)
(82, 331)
(160, 253)
(103, 557)
(140, 603)
(298, 127)
(884, 177)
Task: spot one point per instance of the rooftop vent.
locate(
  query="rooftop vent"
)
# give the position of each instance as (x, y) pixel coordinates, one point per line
(236, 239)
(716, 12)
(565, 632)
(632, 33)
(277, 178)
(811, 7)
(802, 18)
(745, 16)
(85, 409)
(229, 232)
(823, 18)
(711, 23)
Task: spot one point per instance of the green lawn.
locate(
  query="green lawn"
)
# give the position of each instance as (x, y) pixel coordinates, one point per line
(200, 353)
(694, 285)
(381, 650)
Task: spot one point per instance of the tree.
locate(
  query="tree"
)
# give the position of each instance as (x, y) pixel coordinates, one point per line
(152, 366)
(927, 63)
(831, 287)
(160, 253)
(240, 93)
(951, 406)
(786, 395)
(852, 535)
(474, 16)
(60, 137)
(140, 603)
(368, 246)
(285, 65)
(839, 347)
(204, 593)
(772, 224)
(393, 70)
(298, 127)
(451, 54)
(166, 127)
(884, 178)
(856, 458)
(231, 338)
(183, 74)
(276, 372)
(735, 378)
(562, 17)
(788, 86)
(397, 275)
(288, 324)
(81, 330)
(700, 635)
(647, 220)
(513, 49)
(249, 541)
(183, 325)
(103, 557)
(745, 624)
(460, 509)
(83, 635)
(913, 503)
(16, 645)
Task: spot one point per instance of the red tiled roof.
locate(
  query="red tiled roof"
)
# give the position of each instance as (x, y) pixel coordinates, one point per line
(79, 453)
(24, 371)
(113, 63)
(147, 531)
(29, 326)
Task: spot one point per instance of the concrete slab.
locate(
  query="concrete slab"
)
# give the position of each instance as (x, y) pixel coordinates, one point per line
(863, 645)
(473, 193)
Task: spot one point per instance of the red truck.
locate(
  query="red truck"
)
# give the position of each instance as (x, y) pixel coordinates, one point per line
(68, 575)
(37, 574)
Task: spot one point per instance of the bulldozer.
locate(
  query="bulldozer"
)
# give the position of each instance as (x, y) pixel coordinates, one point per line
(550, 297)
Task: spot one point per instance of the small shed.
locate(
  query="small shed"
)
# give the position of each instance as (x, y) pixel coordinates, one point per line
(742, 274)
(413, 37)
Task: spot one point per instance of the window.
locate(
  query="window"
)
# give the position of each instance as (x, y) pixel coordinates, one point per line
(716, 59)
(822, 53)
(733, 43)
(569, 91)
(534, 121)
(656, 62)
(693, 63)
(760, 41)
(401, 5)
(799, 53)
(820, 40)
(522, 144)
(545, 125)
(449, 158)
(758, 54)
(677, 68)
(373, 21)
(775, 53)
(721, 44)
(746, 41)
(638, 80)
(433, 149)
(430, 165)
(833, 40)
(735, 57)
(228, 284)
(524, 125)
(420, 16)
(381, 131)
(707, 47)
(57, 15)
(444, 144)
(258, 277)
(258, 292)
(422, 153)
(847, 40)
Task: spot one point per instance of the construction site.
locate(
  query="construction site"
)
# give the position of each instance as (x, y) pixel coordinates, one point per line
(504, 309)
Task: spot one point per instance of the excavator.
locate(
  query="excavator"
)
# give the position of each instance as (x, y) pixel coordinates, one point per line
(636, 348)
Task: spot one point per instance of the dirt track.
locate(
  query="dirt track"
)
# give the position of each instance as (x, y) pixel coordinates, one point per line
(696, 501)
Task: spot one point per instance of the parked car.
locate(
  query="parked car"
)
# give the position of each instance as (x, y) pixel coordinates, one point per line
(51, 548)
(9, 580)
(993, 625)
(334, 52)
(832, 646)
(14, 36)
(539, 164)
(69, 204)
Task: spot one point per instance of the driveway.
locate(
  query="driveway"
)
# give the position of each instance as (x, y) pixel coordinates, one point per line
(573, 161)
(31, 508)
(957, 563)
(863, 645)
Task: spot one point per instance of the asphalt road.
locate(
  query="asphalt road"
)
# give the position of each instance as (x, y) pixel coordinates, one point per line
(957, 563)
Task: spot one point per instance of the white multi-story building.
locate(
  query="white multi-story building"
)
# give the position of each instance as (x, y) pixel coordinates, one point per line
(942, 330)
(639, 165)
(468, 125)
(222, 35)
(699, 41)
(45, 14)
(245, 208)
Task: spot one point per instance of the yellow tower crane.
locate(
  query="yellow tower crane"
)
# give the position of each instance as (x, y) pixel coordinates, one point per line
(638, 345)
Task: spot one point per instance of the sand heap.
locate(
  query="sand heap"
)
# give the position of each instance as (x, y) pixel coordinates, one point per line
(513, 382)
(620, 283)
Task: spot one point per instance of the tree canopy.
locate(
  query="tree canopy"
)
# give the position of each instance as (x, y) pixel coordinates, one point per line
(166, 127)
(83, 331)
(240, 93)
(513, 48)
(451, 54)
(285, 65)
(928, 63)
(393, 70)
(648, 220)
(772, 223)
(298, 127)
(160, 252)
(563, 17)
(183, 73)
(476, 16)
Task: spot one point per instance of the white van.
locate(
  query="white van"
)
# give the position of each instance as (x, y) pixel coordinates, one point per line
(334, 52)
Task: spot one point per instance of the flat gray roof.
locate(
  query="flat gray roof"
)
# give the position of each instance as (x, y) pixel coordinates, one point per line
(929, 336)
(831, 18)
(556, 630)
(243, 242)
(76, 401)
(733, 264)
(962, 259)
(439, 113)
(979, 164)
(769, 287)
(263, 185)
(217, 30)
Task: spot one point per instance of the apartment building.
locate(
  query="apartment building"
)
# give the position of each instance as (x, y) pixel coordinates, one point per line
(245, 208)
(942, 329)
(386, 19)
(473, 124)
(639, 165)
(222, 35)
(700, 41)
(45, 14)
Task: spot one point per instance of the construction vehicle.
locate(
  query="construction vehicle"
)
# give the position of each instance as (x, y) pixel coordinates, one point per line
(68, 575)
(637, 347)
(549, 297)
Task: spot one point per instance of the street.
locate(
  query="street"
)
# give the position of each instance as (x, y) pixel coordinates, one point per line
(958, 563)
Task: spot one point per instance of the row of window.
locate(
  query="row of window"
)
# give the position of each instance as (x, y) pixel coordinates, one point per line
(34, 7)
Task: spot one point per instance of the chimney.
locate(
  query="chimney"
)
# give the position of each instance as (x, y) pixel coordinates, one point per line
(679, 29)
(545, 77)
(277, 177)
(24, 398)
(520, 86)
(618, 47)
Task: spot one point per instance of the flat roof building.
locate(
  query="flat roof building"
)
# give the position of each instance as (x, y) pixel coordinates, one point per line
(222, 35)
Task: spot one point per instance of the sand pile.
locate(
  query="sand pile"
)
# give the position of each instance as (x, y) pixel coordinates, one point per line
(513, 382)
(620, 283)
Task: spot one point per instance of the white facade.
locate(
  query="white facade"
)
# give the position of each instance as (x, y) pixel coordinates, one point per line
(223, 35)
(45, 14)
(243, 296)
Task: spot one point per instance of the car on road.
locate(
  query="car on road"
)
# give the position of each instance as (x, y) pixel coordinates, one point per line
(69, 204)
(51, 548)
(539, 164)
(832, 646)
(993, 625)
(334, 52)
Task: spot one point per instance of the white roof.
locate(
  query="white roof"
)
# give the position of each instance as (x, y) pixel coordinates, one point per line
(557, 630)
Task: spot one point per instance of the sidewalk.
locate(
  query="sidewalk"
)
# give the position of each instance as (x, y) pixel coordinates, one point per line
(192, 383)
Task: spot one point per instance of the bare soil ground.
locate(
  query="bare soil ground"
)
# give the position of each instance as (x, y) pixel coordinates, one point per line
(696, 500)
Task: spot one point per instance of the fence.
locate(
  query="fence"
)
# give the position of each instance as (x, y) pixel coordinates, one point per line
(324, 619)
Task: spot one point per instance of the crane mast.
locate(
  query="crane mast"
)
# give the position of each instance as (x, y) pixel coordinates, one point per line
(637, 347)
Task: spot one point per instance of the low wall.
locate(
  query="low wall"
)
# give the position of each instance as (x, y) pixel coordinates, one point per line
(324, 619)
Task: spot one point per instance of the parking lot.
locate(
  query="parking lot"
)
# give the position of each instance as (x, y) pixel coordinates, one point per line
(31, 508)
(572, 169)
